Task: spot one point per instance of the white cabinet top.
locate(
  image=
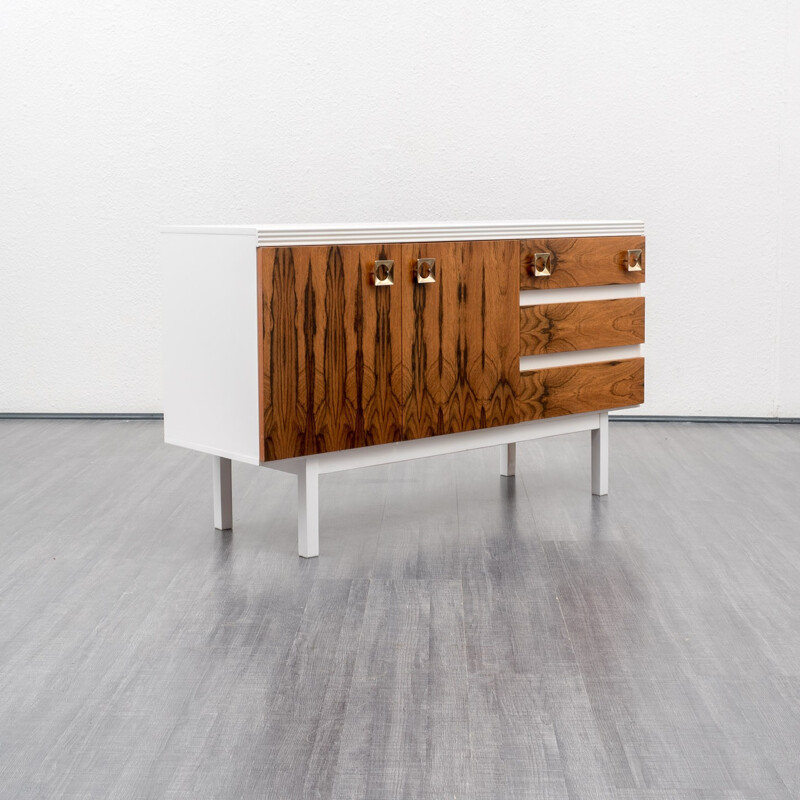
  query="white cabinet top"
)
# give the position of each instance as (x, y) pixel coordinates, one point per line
(390, 232)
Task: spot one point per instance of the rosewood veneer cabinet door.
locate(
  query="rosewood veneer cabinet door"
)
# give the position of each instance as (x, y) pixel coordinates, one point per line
(330, 350)
(460, 337)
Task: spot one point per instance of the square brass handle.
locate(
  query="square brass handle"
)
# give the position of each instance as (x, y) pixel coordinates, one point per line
(541, 265)
(634, 261)
(383, 273)
(425, 271)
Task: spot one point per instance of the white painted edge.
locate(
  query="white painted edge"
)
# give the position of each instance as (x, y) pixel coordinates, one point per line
(391, 232)
(214, 451)
(440, 445)
(579, 294)
(575, 357)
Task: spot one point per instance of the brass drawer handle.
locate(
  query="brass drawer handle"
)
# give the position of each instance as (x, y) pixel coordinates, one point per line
(383, 273)
(541, 265)
(634, 261)
(425, 271)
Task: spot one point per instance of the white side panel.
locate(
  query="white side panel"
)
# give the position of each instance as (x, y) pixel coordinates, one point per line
(210, 343)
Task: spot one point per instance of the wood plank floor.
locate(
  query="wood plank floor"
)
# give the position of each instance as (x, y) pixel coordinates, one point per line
(462, 635)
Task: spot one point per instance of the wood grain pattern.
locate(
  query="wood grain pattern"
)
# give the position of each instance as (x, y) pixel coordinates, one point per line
(347, 364)
(460, 338)
(560, 327)
(587, 261)
(580, 388)
(331, 350)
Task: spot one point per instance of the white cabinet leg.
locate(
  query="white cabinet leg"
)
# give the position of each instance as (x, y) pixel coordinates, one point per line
(223, 495)
(508, 464)
(308, 508)
(600, 456)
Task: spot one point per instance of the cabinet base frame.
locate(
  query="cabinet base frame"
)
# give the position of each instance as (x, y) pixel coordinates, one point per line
(223, 493)
(309, 468)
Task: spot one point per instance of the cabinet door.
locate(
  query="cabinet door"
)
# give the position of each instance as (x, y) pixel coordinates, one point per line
(460, 337)
(330, 350)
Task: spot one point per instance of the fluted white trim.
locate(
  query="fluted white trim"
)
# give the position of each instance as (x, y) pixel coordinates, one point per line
(390, 232)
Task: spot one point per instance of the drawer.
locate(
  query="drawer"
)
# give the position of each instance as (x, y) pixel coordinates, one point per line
(587, 261)
(584, 387)
(560, 327)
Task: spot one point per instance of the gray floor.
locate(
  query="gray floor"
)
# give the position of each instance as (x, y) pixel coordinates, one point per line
(462, 635)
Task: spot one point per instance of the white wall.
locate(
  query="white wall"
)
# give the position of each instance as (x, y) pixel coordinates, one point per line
(120, 117)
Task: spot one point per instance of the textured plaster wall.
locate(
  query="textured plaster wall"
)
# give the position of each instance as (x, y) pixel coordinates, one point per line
(119, 117)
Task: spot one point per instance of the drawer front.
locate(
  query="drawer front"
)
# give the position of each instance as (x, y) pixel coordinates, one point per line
(588, 261)
(561, 327)
(576, 389)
